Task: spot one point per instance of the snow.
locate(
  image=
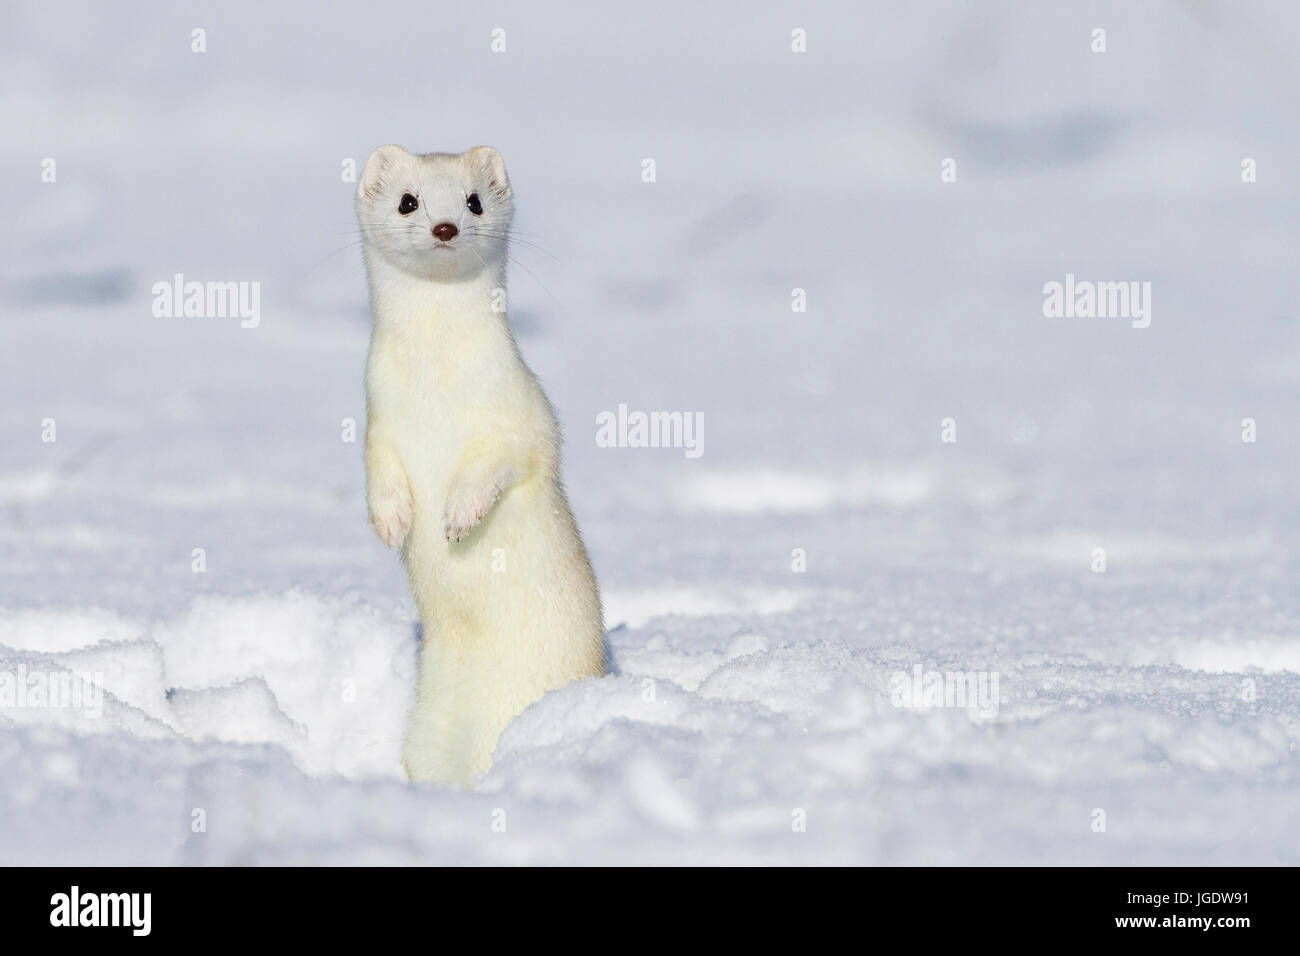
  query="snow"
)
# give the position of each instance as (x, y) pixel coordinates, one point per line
(261, 700)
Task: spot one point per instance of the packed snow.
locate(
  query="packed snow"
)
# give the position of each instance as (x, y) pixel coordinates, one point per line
(206, 655)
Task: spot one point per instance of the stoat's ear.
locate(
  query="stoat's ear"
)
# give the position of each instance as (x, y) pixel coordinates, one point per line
(380, 163)
(490, 161)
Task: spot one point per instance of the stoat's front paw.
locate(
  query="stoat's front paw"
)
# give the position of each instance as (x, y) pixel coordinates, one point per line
(467, 504)
(390, 510)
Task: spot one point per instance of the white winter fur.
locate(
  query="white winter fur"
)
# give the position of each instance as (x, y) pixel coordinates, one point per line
(462, 464)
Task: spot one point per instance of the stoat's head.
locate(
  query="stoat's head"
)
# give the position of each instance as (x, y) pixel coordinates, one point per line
(438, 216)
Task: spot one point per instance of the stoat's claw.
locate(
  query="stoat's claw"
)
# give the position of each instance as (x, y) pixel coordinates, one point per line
(390, 512)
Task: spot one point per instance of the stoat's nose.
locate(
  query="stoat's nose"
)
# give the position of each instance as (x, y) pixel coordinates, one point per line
(445, 231)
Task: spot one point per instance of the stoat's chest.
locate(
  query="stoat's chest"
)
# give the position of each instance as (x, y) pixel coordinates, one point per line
(433, 387)
(419, 375)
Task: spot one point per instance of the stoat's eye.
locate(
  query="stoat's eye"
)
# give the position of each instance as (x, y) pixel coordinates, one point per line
(474, 205)
(409, 204)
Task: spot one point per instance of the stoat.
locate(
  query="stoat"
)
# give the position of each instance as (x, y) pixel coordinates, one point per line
(463, 462)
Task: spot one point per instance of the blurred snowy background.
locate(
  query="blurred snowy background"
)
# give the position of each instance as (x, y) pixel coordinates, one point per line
(269, 690)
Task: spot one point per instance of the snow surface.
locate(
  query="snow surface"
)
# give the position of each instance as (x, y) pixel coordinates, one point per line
(268, 691)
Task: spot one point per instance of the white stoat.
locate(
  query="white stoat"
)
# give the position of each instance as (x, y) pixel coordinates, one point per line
(463, 462)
